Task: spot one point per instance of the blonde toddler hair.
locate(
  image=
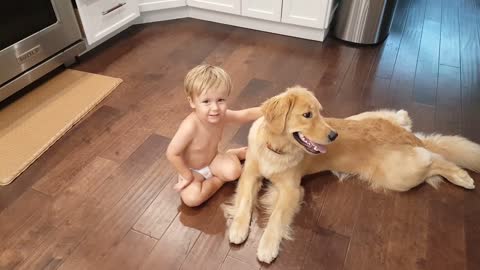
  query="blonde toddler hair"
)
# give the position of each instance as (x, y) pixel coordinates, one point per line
(204, 77)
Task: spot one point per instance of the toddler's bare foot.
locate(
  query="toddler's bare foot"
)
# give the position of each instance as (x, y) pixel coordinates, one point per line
(181, 184)
(239, 152)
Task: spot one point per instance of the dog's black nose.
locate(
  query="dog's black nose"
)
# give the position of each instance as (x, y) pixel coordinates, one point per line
(332, 136)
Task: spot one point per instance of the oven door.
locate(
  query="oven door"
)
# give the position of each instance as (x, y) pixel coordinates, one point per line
(32, 31)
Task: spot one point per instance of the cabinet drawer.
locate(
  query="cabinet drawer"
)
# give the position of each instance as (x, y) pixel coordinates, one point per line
(228, 6)
(102, 17)
(311, 13)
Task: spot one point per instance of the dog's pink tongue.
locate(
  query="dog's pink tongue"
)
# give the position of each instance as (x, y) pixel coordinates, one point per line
(320, 148)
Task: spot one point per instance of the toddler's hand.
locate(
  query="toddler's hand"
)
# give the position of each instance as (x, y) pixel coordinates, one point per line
(181, 184)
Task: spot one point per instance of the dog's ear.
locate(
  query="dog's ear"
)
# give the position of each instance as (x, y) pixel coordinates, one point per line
(275, 111)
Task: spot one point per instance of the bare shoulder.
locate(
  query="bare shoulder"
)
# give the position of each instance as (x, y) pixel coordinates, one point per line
(187, 127)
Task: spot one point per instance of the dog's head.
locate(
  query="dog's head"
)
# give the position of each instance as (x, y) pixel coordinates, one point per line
(296, 114)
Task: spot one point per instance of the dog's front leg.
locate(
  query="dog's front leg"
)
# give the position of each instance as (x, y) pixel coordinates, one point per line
(245, 196)
(288, 198)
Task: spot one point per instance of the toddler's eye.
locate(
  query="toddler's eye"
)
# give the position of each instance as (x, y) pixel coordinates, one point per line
(221, 100)
(205, 101)
(307, 115)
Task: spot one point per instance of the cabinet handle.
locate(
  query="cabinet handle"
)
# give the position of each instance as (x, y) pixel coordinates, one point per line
(119, 5)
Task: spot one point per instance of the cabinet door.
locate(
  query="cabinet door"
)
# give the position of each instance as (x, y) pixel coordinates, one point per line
(149, 5)
(312, 13)
(228, 6)
(100, 18)
(262, 9)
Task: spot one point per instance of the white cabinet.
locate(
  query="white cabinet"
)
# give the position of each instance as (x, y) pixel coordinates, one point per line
(311, 13)
(228, 6)
(149, 5)
(262, 9)
(102, 17)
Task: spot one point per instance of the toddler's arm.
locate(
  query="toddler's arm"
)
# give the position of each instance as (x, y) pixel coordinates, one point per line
(175, 150)
(243, 116)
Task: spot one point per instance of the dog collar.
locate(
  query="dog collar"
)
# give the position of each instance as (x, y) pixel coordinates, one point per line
(276, 151)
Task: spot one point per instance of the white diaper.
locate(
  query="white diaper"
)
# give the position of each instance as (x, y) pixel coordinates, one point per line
(205, 172)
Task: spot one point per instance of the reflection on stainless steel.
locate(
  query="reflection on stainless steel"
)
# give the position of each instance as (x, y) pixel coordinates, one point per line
(364, 21)
(37, 72)
(25, 56)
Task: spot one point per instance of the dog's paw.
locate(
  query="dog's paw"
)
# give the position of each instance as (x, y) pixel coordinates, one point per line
(268, 249)
(463, 179)
(238, 231)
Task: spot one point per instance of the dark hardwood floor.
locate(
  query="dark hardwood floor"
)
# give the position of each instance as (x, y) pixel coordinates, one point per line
(102, 198)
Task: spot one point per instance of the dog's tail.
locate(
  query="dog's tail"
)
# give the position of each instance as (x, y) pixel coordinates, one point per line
(457, 149)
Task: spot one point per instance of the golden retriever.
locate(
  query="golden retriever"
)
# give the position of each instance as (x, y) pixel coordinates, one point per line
(292, 139)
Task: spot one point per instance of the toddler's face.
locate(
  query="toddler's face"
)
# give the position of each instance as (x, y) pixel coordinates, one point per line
(211, 105)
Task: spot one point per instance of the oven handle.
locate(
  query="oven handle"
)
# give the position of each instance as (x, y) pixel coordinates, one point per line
(113, 8)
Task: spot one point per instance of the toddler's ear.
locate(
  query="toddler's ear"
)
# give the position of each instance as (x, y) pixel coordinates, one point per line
(192, 104)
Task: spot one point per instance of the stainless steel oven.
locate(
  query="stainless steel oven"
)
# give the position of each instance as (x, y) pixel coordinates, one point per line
(35, 38)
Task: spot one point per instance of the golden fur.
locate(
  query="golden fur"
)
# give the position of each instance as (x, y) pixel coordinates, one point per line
(370, 146)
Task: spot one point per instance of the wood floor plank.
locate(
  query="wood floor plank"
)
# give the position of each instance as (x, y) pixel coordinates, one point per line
(402, 81)
(316, 64)
(350, 92)
(448, 109)
(23, 241)
(124, 145)
(14, 216)
(470, 68)
(87, 218)
(212, 246)
(76, 140)
(376, 94)
(407, 243)
(341, 207)
(123, 256)
(327, 250)
(426, 75)
(450, 39)
(61, 175)
(118, 221)
(472, 229)
(388, 51)
(86, 182)
(176, 243)
(368, 245)
(256, 92)
(340, 57)
(446, 225)
(161, 213)
(234, 264)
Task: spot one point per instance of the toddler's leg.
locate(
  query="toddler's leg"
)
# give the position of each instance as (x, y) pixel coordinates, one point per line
(200, 190)
(227, 166)
(239, 152)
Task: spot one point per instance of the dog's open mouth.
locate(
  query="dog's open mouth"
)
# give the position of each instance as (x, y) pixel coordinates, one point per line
(311, 146)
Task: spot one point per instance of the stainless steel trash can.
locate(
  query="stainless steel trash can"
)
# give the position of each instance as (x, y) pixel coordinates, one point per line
(364, 21)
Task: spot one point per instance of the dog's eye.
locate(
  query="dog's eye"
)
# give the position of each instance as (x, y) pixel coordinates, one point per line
(307, 115)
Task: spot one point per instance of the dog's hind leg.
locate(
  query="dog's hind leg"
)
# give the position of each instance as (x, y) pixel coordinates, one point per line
(286, 204)
(418, 166)
(245, 196)
(451, 172)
